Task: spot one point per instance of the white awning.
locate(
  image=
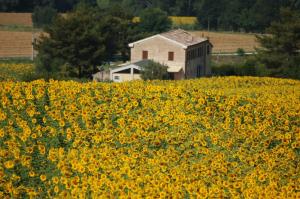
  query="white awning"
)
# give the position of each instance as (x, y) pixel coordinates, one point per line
(174, 69)
(125, 67)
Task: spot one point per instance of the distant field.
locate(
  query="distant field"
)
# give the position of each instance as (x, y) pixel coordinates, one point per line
(23, 19)
(16, 44)
(229, 42)
(176, 20)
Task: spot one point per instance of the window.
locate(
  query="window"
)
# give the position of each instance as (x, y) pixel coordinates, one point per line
(198, 71)
(208, 49)
(135, 71)
(116, 77)
(145, 54)
(171, 56)
(201, 51)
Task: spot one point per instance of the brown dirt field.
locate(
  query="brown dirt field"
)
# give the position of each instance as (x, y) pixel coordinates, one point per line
(222, 42)
(16, 44)
(23, 19)
(229, 42)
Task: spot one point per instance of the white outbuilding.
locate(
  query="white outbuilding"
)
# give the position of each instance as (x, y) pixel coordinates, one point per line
(127, 72)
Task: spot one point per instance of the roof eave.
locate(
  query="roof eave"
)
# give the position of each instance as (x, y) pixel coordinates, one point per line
(125, 68)
(175, 42)
(198, 43)
(131, 45)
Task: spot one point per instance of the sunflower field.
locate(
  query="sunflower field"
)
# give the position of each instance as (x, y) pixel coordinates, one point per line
(176, 20)
(232, 137)
(15, 71)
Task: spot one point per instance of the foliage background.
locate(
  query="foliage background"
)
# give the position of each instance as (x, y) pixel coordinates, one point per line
(245, 15)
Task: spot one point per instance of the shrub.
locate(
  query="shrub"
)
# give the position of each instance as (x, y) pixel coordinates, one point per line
(240, 52)
(237, 70)
(249, 67)
(154, 70)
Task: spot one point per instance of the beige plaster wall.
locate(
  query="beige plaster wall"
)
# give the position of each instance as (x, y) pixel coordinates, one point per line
(158, 49)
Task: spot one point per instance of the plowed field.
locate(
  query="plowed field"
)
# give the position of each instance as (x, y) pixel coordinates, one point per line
(229, 42)
(16, 44)
(23, 19)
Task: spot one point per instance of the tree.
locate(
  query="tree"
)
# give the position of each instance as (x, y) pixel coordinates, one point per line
(7, 5)
(29, 5)
(154, 20)
(43, 16)
(119, 22)
(264, 12)
(280, 50)
(209, 13)
(80, 41)
(103, 3)
(154, 70)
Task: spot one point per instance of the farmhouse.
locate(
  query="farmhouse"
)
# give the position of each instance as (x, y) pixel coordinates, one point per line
(185, 55)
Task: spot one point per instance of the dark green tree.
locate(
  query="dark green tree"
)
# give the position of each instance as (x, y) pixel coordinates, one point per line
(264, 12)
(8, 5)
(209, 13)
(244, 15)
(29, 5)
(43, 16)
(154, 70)
(154, 20)
(280, 50)
(119, 21)
(103, 3)
(80, 41)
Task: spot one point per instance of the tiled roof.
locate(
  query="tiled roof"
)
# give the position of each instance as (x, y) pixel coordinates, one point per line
(183, 37)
